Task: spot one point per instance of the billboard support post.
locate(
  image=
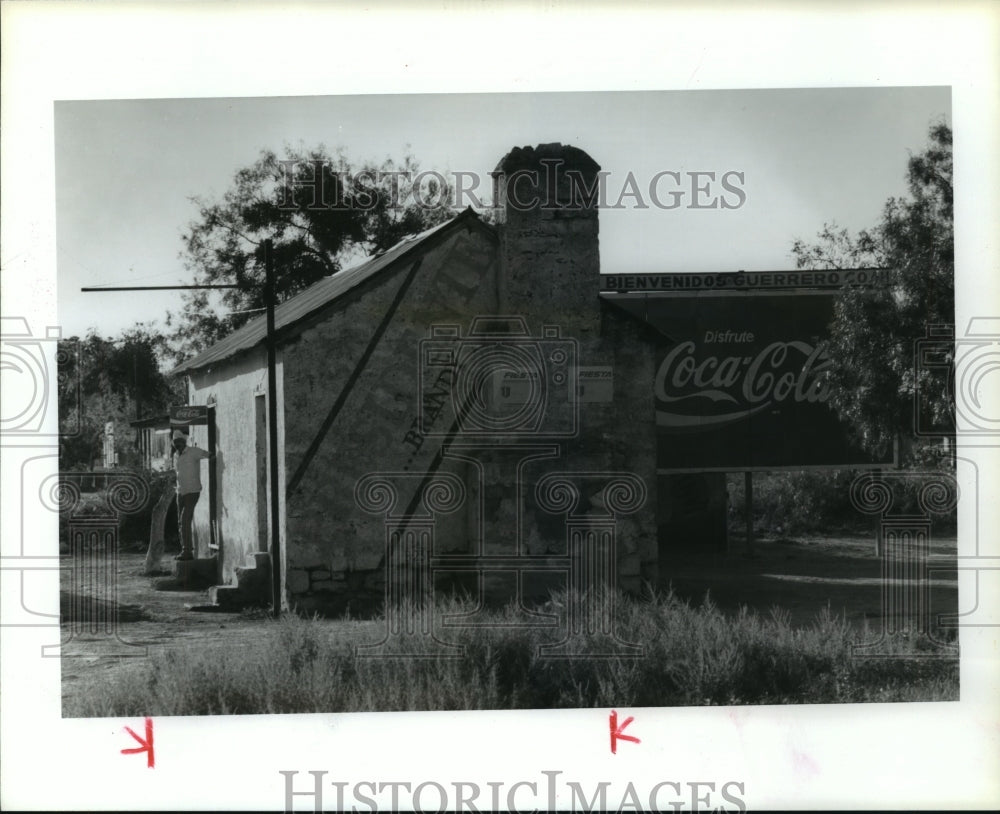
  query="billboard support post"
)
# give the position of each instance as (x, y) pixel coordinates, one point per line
(748, 508)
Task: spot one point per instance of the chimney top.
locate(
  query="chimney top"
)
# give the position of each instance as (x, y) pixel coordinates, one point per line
(520, 158)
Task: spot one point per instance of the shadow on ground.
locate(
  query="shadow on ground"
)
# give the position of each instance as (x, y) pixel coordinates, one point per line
(802, 576)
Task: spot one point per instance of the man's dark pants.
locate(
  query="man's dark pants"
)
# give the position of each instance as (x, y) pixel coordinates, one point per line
(187, 503)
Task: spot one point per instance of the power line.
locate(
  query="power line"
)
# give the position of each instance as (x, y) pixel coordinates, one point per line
(153, 287)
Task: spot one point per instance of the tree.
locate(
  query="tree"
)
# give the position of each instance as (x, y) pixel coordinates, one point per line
(320, 213)
(874, 380)
(100, 380)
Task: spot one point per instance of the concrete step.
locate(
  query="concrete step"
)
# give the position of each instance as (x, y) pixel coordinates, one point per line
(198, 570)
(252, 588)
(251, 578)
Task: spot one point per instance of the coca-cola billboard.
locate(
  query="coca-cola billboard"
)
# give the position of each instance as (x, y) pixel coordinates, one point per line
(738, 383)
(702, 390)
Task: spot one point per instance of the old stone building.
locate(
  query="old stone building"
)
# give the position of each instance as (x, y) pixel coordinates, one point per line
(468, 391)
(478, 407)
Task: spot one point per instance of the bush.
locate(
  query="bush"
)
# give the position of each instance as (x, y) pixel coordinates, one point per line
(786, 503)
(133, 528)
(797, 502)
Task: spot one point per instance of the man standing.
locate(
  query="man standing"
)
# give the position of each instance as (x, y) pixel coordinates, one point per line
(187, 463)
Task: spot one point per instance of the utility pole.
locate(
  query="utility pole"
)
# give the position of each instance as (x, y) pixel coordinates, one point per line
(272, 401)
(272, 428)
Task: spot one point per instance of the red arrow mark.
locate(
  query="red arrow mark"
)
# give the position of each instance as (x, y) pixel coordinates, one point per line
(617, 732)
(146, 744)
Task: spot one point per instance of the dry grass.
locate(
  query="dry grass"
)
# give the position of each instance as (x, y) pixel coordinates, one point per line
(693, 656)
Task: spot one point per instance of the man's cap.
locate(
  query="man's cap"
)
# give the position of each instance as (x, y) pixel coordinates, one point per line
(180, 434)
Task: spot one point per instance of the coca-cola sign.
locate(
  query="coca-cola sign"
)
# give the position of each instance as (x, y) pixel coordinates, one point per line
(710, 390)
(738, 380)
(186, 415)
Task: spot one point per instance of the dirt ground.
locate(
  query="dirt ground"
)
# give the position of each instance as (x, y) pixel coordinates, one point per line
(801, 576)
(147, 620)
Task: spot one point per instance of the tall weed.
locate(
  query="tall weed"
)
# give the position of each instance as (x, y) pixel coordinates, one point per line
(691, 656)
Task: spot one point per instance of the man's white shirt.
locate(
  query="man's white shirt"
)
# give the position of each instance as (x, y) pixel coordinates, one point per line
(188, 466)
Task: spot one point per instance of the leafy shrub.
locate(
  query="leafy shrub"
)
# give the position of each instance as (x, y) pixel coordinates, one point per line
(786, 503)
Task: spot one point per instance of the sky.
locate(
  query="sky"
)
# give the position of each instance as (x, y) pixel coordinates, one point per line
(126, 171)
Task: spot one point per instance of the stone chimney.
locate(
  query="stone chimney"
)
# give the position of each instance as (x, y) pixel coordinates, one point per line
(547, 199)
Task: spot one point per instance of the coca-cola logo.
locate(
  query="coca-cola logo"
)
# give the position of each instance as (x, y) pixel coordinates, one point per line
(709, 391)
(189, 414)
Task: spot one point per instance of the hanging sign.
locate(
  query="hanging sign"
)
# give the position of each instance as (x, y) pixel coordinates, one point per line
(188, 415)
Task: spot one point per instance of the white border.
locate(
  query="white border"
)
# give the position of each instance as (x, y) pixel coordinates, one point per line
(915, 756)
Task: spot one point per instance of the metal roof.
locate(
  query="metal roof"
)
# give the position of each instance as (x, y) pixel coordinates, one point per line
(321, 294)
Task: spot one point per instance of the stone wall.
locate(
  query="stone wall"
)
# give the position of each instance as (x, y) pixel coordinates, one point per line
(336, 547)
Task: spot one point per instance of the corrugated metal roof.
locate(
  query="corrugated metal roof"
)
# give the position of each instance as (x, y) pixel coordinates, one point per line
(319, 295)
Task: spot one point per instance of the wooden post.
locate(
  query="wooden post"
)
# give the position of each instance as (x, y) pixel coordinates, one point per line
(725, 539)
(748, 508)
(213, 509)
(272, 429)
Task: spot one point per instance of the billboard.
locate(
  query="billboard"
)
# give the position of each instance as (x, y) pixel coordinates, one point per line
(738, 382)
